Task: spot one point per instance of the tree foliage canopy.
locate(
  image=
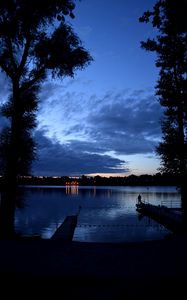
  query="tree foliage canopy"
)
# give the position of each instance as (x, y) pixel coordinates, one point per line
(35, 40)
(34, 37)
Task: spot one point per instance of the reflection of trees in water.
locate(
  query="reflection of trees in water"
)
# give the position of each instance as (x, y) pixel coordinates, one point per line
(10, 200)
(7, 211)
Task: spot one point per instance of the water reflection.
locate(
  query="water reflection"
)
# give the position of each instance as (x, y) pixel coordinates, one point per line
(72, 189)
(107, 214)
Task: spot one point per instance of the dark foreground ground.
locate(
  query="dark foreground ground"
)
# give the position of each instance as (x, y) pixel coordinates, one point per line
(57, 270)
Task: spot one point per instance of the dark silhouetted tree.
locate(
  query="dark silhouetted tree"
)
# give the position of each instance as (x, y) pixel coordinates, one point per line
(28, 102)
(35, 41)
(170, 44)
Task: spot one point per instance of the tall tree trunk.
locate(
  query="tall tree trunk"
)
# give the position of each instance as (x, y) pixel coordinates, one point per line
(12, 164)
(182, 154)
(8, 197)
(182, 165)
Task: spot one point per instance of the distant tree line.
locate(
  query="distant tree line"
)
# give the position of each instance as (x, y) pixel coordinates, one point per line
(132, 180)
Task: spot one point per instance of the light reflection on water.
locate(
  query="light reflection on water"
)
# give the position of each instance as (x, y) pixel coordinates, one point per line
(108, 214)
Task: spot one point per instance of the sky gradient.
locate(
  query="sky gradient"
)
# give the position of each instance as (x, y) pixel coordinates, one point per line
(105, 120)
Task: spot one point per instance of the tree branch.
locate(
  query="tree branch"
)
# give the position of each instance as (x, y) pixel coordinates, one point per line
(38, 76)
(9, 44)
(24, 56)
(6, 70)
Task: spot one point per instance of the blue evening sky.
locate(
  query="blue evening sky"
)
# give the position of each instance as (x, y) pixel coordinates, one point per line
(105, 120)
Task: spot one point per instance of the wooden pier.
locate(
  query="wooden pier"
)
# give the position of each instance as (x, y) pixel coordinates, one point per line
(169, 217)
(66, 230)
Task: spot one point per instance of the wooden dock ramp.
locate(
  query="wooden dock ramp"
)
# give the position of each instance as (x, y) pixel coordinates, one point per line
(170, 218)
(66, 230)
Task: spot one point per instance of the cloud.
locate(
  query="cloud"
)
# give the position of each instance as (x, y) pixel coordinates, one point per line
(127, 125)
(65, 159)
(62, 107)
(95, 131)
(80, 133)
(124, 124)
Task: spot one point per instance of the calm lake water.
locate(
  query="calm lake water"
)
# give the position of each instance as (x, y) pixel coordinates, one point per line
(108, 214)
